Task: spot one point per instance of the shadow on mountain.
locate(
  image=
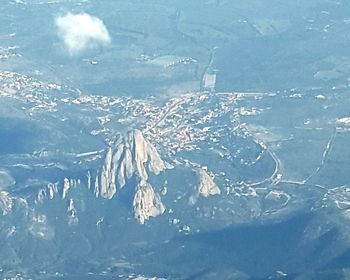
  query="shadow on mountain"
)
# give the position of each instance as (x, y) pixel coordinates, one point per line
(17, 136)
(252, 252)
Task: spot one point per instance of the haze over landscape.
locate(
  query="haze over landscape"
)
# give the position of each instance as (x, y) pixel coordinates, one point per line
(174, 140)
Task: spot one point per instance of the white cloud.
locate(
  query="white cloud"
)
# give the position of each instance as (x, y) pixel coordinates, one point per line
(82, 31)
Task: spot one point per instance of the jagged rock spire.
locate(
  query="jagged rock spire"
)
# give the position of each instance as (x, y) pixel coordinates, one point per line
(147, 203)
(134, 155)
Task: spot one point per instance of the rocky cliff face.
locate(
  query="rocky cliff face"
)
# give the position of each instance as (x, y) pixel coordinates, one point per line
(207, 186)
(147, 203)
(133, 156)
(128, 166)
(6, 203)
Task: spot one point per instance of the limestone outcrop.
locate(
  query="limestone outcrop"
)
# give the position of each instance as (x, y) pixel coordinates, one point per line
(207, 186)
(147, 203)
(133, 156)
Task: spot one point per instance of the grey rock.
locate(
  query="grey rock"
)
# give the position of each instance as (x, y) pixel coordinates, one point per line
(147, 203)
(6, 203)
(207, 186)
